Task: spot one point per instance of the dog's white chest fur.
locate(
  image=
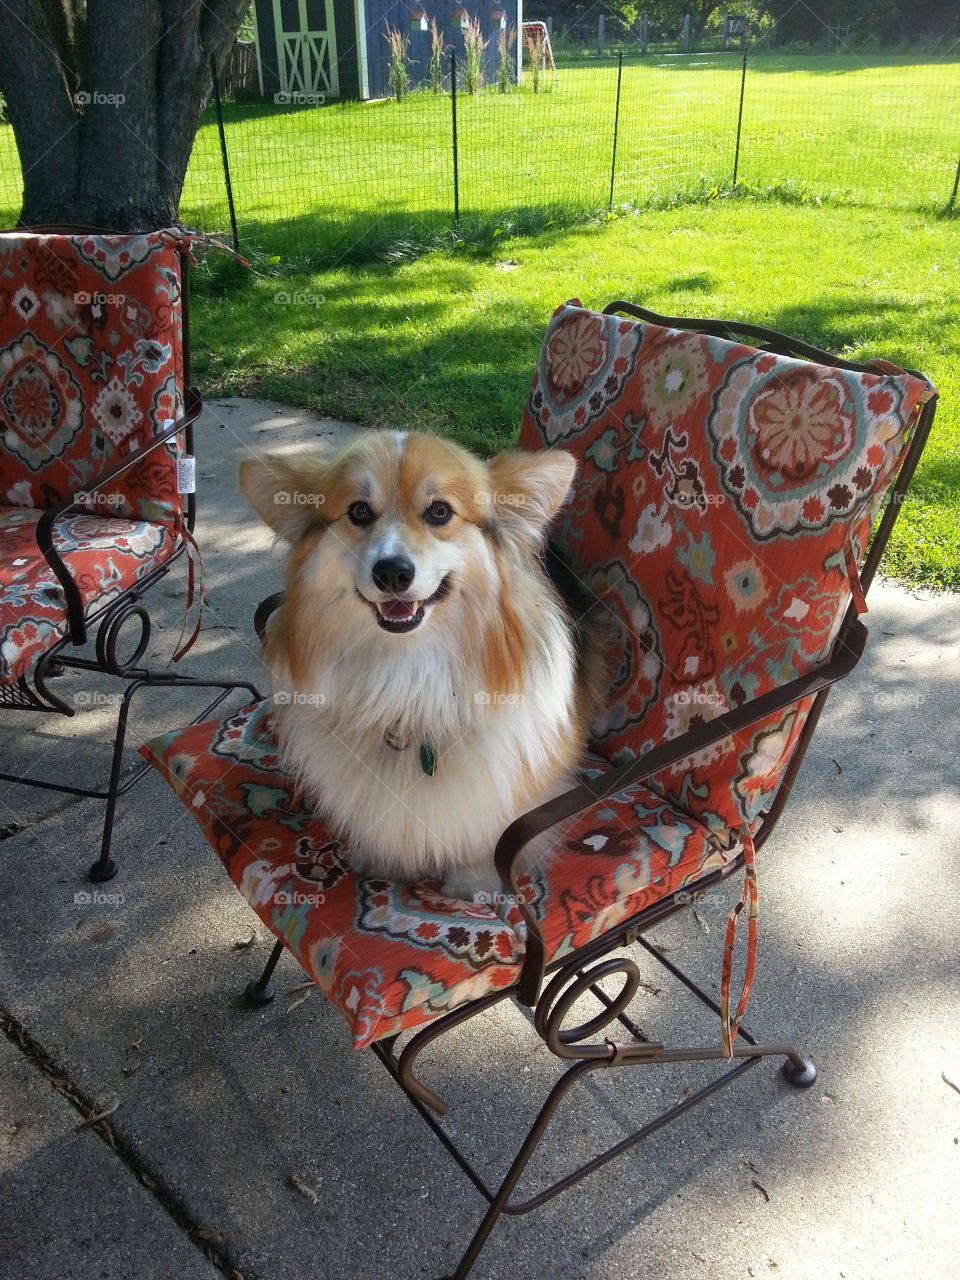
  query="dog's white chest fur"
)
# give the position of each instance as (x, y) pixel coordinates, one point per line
(495, 755)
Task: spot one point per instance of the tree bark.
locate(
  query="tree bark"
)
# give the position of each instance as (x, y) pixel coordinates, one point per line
(104, 97)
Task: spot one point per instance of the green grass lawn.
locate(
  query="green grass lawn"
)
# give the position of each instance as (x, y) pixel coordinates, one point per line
(308, 181)
(448, 341)
(350, 180)
(389, 334)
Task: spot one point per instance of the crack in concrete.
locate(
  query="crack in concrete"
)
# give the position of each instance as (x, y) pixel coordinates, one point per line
(210, 1242)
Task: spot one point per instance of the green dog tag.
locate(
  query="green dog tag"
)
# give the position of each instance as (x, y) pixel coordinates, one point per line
(428, 761)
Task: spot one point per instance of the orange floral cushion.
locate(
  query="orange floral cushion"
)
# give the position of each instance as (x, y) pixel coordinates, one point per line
(105, 557)
(91, 366)
(394, 956)
(722, 495)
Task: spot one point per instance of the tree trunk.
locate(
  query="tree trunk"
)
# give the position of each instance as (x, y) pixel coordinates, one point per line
(104, 97)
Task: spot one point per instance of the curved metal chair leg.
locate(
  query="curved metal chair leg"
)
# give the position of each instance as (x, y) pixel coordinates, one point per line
(530, 1144)
(261, 990)
(105, 868)
(799, 1071)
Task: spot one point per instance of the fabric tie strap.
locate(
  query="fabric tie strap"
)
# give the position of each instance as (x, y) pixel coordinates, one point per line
(750, 900)
(195, 588)
(853, 573)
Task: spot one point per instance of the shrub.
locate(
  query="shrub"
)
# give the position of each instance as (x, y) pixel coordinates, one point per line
(398, 75)
(473, 47)
(505, 42)
(536, 47)
(435, 65)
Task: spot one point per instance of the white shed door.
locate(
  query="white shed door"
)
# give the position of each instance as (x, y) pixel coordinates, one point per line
(306, 47)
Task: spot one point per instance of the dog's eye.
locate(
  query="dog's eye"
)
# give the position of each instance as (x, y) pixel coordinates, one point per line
(361, 513)
(438, 512)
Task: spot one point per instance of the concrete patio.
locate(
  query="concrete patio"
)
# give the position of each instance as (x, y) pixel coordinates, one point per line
(256, 1143)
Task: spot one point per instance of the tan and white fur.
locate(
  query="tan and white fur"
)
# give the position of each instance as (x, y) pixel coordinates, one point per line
(461, 644)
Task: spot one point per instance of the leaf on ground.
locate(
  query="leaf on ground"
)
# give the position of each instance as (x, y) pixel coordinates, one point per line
(303, 1188)
(131, 1068)
(241, 944)
(206, 1235)
(700, 921)
(304, 995)
(99, 1115)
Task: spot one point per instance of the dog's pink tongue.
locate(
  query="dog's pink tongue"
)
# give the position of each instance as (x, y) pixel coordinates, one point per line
(398, 610)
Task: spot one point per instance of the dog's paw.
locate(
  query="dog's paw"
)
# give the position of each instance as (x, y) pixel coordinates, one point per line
(475, 887)
(361, 867)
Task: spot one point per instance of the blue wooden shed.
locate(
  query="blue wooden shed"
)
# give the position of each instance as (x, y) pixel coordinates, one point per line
(312, 50)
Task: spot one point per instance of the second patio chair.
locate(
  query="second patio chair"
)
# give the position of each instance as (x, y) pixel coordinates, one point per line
(96, 408)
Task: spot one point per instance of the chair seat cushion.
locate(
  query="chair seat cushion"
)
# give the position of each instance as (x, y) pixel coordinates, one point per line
(394, 956)
(105, 556)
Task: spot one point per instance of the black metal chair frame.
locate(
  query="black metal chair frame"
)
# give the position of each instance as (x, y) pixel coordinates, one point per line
(567, 979)
(31, 692)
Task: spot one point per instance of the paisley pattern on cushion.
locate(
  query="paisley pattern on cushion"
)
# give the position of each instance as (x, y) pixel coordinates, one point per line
(394, 956)
(105, 557)
(91, 367)
(717, 490)
(586, 370)
(797, 450)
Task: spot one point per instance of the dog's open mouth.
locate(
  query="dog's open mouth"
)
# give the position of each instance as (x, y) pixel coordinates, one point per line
(399, 615)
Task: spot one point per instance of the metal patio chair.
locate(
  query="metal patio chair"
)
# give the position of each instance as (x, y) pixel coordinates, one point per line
(96, 407)
(722, 511)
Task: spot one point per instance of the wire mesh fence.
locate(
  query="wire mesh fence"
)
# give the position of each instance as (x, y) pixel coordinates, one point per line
(357, 180)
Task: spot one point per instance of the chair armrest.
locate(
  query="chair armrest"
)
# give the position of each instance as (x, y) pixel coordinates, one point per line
(846, 654)
(45, 525)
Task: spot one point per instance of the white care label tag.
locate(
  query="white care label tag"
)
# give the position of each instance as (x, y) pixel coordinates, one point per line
(187, 474)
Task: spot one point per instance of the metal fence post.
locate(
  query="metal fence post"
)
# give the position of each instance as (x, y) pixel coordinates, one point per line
(616, 127)
(218, 107)
(743, 85)
(951, 207)
(456, 153)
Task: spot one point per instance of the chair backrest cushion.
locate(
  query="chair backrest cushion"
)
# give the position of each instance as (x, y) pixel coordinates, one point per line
(722, 494)
(91, 366)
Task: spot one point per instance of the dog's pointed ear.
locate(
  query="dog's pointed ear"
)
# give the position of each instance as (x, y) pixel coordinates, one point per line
(528, 489)
(287, 491)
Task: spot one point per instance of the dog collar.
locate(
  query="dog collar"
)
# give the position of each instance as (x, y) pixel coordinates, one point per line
(428, 757)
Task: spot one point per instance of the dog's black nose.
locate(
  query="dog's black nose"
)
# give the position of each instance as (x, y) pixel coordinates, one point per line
(393, 574)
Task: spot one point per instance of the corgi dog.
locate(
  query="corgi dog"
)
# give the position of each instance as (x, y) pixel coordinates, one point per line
(430, 682)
